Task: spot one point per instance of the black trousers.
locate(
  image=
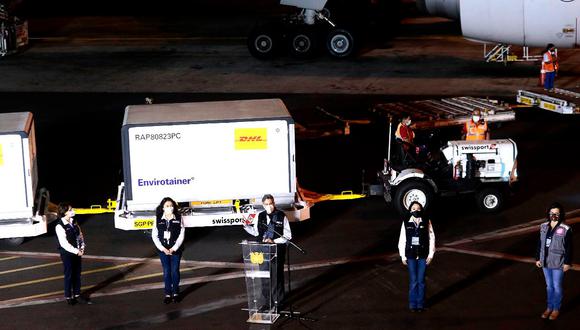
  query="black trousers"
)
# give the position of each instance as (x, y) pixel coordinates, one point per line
(277, 292)
(72, 274)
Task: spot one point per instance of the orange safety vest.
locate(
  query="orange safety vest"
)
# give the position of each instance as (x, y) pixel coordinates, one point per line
(549, 65)
(475, 132)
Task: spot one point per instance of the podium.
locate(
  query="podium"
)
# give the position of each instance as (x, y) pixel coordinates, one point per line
(261, 273)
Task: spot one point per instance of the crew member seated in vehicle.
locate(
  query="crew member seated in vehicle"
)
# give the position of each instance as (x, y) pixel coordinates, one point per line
(405, 137)
(476, 128)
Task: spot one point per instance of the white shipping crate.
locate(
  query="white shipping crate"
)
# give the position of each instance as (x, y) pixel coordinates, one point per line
(204, 153)
(19, 216)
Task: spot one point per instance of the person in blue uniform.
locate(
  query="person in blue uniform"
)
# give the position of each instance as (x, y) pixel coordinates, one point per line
(271, 227)
(554, 256)
(416, 248)
(168, 234)
(71, 245)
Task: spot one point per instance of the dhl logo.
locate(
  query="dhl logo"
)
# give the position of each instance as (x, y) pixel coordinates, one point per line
(250, 138)
(255, 138)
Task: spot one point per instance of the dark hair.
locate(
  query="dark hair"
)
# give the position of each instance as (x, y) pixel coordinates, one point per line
(558, 206)
(405, 115)
(413, 203)
(267, 196)
(63, 208)
(159, 209)
(549, 46)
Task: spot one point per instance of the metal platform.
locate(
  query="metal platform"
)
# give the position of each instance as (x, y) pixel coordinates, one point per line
(559, 100)
(446, 112)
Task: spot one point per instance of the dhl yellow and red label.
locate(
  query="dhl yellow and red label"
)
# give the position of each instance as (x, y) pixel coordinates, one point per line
(251, 138)
(1, 156)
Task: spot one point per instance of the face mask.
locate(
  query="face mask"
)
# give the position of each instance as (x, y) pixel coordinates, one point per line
(554, 217)
(168, 210)
(71, 213)
(409, 122)
(476, 118)
(416, 214)
(269, 208)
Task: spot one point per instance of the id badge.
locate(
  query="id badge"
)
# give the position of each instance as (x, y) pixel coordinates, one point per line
(166, 234)
(415, 240)
(548, 242)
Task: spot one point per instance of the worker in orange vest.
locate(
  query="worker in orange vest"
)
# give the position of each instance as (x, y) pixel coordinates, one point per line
(549, 67)
(476, 127)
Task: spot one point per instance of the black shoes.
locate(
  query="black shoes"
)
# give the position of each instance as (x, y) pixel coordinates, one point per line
(176, 298)
(82, 300)
(71, 301)
(417, 310)
(167, 300)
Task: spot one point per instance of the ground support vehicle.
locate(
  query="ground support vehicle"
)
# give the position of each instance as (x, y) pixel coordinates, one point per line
(13, 33)
(484, 168)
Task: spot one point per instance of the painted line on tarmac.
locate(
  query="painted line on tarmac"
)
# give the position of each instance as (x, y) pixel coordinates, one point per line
(52, 278)
(499, 255)
(18, 302)
(48, 255)
(30, 267)
(524, 228)
(9, 258)
(87, 287)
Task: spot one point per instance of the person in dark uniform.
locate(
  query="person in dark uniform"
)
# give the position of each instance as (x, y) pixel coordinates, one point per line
(416, 248)
(71, 245)
(167, 234)
(270, 224)
(554, 256)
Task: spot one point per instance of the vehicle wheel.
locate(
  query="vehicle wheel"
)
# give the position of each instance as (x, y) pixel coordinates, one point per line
(263, 42)
(489, 200)
(411, 191)
(340, 43)
(302, 43)
(14, 241)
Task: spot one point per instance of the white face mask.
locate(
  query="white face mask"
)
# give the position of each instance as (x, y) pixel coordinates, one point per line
(71, 213)
(476, 118)
(409, 122)
(168, 210)
(269, 208)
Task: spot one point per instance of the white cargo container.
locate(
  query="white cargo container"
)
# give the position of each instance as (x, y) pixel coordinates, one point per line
(215, 158)
(22, 207)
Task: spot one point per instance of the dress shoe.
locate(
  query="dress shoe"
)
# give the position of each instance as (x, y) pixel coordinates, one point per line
(554, 315)
(413, 310)
(167, 300)
(83, 300)
(546, 313)
(420, 310)
(176, 298)
(69, 301)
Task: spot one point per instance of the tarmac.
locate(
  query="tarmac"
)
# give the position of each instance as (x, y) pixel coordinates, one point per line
(482, 276)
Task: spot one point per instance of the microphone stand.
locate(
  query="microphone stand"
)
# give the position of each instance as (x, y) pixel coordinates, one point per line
(291, 314)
